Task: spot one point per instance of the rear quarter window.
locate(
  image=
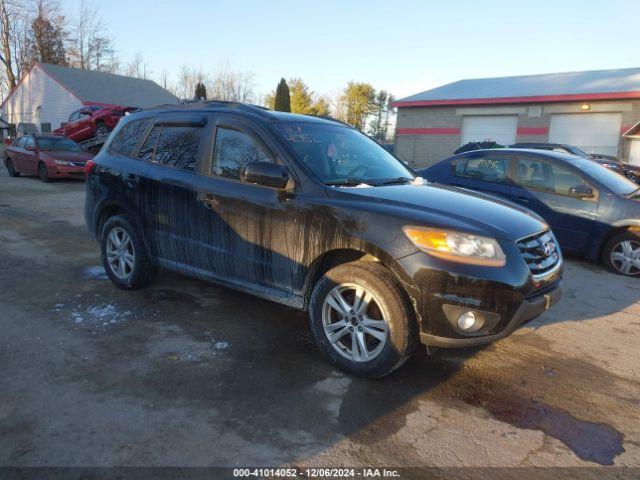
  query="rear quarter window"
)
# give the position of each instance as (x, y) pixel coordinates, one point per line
(172, 145)
(127, 139)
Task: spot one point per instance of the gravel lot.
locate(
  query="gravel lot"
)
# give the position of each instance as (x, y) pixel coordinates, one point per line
(186, 373)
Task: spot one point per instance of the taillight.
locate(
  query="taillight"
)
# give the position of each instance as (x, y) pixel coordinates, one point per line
(89, 167)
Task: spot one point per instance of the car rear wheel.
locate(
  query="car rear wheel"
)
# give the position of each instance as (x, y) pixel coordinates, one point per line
(43, 173)
(11, 169)
(101, 130)
(361, 320)
(124, 256)
(622, 254)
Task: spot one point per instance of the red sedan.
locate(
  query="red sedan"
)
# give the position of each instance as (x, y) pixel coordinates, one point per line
(47, 156)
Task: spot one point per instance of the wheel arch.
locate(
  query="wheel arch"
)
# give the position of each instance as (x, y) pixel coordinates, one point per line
(631, 226)
(339, 256)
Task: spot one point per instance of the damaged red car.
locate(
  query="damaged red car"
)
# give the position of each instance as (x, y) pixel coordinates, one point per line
(92, 121)
(47, 156)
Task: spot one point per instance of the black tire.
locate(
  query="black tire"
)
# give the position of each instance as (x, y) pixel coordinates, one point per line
(43, 174)
(395, 309)
(142, 272)
(11, 169)
(614, 245)
(101, 130)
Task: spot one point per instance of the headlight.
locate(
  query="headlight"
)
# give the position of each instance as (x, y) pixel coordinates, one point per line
(63, 162)
(457, 246)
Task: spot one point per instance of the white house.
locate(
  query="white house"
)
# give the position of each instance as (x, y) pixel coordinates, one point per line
(47, 94)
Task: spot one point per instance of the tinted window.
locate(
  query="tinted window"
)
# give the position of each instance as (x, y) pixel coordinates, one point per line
(613, 181)
(233, 149)
(129, 136)
(178, 146)
(29, 142)
(549, 177)
(148, 148)
(487, 169)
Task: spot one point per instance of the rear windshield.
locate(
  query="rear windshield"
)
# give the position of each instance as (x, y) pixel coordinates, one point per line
(57, 144)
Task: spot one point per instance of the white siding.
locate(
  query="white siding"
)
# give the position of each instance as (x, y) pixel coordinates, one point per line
(38, 89)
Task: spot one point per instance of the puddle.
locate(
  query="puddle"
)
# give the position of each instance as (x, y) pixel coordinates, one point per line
(595, 442)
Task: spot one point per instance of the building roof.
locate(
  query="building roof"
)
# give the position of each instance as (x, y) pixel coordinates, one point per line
(91, 86)
(551, 87)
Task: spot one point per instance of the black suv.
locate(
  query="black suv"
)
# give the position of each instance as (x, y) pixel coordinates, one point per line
(311, 213)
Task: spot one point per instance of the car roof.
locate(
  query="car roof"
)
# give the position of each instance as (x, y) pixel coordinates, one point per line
(565, 157)
(254, 111)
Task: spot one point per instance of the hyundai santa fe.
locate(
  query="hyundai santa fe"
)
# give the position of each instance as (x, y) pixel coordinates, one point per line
(313, 214)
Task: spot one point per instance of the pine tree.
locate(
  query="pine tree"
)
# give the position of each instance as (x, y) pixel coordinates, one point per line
(282, 102)
(201, 91)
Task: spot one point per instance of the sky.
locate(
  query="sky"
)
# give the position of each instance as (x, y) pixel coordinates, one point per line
(402, 46)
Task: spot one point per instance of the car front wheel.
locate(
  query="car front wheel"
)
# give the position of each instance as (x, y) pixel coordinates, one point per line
(124, 256)
(43, 173)
(622, 254)
(361, 320)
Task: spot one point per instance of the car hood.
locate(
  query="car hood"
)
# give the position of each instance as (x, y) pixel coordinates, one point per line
(68, 156)
(452, 207)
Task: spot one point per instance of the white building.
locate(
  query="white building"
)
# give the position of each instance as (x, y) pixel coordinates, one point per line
(47, 94)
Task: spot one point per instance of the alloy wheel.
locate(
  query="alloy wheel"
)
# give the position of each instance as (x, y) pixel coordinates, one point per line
(354, 322)
(625, 257)
(120, 253)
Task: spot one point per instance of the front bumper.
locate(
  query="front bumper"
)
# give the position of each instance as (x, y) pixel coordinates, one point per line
(529, 309)
(501, 298)
(64, 171)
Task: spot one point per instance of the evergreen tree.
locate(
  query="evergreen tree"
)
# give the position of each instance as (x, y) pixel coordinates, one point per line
(358, 100)
(282, 102)
(201, 91)
(45, 41)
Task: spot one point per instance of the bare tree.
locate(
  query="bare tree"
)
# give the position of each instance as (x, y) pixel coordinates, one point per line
(137, 67)
(12, 41)
(234, 86)
(90, 47)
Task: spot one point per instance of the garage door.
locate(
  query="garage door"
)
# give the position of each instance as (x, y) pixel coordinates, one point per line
(592, 132)
(499, 128)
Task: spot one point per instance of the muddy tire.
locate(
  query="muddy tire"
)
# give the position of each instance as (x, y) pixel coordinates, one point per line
(11, 169)
(621, 254)
(124, 255)
(43, 173)
(361, 319)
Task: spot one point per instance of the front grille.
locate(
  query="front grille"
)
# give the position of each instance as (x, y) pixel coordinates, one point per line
(540, 252)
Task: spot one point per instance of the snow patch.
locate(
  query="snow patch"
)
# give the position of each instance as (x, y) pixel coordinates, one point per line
(96, 317)
(97, 272)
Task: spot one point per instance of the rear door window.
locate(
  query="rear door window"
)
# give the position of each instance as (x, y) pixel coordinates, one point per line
(488, 169)
(173, 145)
(129, 136)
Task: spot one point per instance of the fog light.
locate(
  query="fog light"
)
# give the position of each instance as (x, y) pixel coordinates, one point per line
(467, 320)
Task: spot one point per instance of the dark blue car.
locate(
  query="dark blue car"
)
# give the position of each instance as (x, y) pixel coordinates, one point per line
(593, 211)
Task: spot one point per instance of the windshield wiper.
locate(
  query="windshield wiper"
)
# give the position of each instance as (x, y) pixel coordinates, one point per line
(347, 182)
(393, 181)
(635, 193)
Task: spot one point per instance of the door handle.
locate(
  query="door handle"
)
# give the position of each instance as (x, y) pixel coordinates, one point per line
(522, 199)
(130, 179)
(208, 200)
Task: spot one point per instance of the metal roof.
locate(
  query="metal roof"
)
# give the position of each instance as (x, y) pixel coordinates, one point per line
(595, 84)
(101, 87)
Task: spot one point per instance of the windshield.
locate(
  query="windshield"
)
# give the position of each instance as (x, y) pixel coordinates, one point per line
(615, 182)
(343, 156)
(57, 144)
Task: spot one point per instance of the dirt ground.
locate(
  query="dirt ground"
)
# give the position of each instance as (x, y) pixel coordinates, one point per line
(186, 373)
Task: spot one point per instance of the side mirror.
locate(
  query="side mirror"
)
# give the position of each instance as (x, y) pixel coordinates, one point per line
(582, 191)
(266, 174)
